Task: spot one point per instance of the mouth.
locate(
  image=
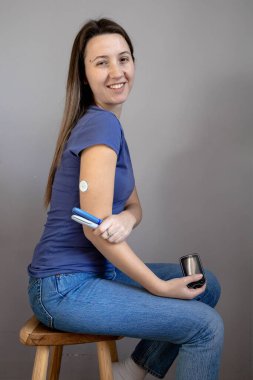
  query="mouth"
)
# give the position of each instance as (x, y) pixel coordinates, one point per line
(116, 86)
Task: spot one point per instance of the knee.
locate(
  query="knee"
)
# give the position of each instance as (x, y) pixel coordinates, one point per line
(213, 329)
(207, 328)
(213, 289)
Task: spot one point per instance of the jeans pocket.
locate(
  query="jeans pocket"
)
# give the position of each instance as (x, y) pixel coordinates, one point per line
(35, 299)
(76, 285)
(65, 283)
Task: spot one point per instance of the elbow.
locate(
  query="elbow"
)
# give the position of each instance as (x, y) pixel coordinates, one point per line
(139, 218)
(141, 214)
(88, 232)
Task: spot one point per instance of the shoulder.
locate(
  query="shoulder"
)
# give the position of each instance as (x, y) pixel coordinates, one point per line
(97, 126)
(96, 116)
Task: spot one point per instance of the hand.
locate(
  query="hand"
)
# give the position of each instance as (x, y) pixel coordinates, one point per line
(116, 228)
(177, 288)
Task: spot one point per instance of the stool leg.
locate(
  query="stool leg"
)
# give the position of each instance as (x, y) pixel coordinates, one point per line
(113, 350)
(41, 363)
(55, 363)
(104, 360)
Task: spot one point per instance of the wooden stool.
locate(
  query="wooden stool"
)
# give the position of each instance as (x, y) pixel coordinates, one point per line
(34, 333)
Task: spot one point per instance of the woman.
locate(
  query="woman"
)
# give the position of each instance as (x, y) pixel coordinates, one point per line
(91, 281)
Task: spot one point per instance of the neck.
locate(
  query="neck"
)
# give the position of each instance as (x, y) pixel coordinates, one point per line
(115, 109)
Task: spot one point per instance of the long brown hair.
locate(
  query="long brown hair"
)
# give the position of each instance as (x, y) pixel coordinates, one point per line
(78, 92)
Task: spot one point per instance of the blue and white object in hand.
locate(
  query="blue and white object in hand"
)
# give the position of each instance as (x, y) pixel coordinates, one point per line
(83, 217)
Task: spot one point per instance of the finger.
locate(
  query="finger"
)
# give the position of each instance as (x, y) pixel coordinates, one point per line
(115, 237)
(118, 240)
(120, 237)
(193, 293)
(109, 235)
(114, 233)
(102, 228)
(98, 231)
(193, 278)
(198, 291)
(106, 235)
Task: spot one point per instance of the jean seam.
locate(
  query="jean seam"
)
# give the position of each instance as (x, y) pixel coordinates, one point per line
(32, 282)
(57, 279)
(114, 275)
(43, 307)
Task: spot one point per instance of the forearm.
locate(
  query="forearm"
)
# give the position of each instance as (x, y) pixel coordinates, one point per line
(123, 257)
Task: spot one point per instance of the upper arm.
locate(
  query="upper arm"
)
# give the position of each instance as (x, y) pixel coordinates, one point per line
(97, 168)
(133, 199)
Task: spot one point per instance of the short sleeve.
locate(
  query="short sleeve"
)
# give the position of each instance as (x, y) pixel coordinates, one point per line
(98, 127)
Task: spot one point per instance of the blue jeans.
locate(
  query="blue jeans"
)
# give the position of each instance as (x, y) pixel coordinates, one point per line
(112, 303)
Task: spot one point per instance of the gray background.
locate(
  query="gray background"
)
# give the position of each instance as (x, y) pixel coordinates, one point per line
(189, 127)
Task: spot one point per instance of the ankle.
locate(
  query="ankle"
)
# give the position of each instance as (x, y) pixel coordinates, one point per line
(128, 370)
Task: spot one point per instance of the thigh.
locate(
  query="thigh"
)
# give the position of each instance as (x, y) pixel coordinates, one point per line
(102, 306)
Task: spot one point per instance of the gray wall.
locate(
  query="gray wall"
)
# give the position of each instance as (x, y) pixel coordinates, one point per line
(189, 127)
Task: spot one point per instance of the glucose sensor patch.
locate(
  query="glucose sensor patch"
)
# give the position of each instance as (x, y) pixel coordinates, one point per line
(83, 186)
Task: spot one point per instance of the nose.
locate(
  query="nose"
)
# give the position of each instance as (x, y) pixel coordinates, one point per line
(116, 70)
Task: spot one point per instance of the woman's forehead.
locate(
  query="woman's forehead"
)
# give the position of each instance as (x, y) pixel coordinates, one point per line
(106, 45)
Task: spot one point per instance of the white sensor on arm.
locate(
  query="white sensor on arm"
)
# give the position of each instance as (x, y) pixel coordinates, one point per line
(83, 186)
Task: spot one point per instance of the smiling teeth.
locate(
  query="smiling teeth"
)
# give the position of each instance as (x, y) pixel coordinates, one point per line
(119, 85)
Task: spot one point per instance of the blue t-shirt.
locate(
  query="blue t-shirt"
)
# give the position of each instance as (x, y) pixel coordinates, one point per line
(63, 247)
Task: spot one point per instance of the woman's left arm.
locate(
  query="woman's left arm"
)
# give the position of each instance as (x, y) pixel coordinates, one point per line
(121, 225)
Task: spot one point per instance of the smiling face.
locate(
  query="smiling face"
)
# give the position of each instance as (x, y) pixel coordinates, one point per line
(109, 69)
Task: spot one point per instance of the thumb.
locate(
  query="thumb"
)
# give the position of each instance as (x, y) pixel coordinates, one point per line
(193, 278)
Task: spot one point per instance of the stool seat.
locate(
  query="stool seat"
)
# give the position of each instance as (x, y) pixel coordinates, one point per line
(34, 333)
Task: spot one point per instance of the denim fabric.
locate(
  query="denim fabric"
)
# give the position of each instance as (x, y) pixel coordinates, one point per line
(112, 303)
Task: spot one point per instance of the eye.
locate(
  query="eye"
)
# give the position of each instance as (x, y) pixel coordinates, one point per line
(124, 59)
(101, 63)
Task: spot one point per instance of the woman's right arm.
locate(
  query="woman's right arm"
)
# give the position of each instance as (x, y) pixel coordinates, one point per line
(97, 167)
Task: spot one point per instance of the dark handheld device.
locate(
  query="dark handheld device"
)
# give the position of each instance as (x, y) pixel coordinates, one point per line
(191, 264)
